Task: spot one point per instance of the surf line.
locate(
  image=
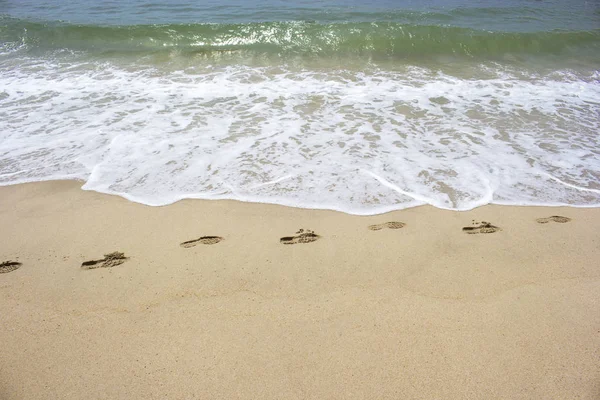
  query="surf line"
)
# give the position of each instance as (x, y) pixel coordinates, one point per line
(390, 185)
(570, 185)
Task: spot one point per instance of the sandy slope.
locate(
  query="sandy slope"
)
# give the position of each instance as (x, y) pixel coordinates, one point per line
(425, 311)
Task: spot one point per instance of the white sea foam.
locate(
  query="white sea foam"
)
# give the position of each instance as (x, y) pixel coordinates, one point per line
(359, 142)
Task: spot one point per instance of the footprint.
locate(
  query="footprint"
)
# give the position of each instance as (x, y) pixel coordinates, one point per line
(202, 240)
(481, 227)
(389, 225)
(554, 218)
(110, 260)
(9, 266)
(302, 236)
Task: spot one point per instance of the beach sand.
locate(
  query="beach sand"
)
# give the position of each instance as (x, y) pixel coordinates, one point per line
(423, 311)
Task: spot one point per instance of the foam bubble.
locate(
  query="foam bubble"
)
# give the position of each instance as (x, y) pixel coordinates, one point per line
(362, 142)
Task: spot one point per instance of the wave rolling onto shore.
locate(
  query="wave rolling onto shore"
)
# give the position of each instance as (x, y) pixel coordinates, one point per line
(357, 109)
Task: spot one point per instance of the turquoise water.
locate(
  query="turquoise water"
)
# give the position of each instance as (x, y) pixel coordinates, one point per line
(510, 15)
(341, 105)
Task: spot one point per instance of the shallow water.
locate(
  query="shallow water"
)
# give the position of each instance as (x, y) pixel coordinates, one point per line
(341, 106)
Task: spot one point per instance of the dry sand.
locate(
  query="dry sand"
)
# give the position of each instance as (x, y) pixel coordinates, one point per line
(424, 311)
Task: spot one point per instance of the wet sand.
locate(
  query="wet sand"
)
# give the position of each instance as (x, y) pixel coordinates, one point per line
(231, 300)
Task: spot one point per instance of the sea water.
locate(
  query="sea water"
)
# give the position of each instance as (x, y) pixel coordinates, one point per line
(337, 104)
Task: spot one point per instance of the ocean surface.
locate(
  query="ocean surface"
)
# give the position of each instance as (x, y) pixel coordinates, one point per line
(341, 104)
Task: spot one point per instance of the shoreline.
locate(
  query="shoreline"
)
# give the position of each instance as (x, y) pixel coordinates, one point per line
(125, 196)
(422, 310)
